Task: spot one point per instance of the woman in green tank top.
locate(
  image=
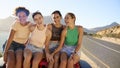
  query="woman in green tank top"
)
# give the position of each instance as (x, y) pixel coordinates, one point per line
(71, 38)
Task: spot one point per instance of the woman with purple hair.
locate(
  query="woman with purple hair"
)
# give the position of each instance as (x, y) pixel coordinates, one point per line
(13, 53)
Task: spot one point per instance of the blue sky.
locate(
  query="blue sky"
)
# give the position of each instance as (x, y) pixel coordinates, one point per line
(89, 13)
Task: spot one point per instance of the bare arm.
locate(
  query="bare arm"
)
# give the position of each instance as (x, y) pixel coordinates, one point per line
(47, 41)
(49, 27)
(7, 46)
(10, 39)
(32, 27)
(80, 29)
(61, 41)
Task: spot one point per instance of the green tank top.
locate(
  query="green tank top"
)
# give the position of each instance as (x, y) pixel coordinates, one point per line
(71, 38)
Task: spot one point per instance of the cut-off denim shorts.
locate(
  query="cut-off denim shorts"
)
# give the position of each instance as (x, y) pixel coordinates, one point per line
(69, 50)
(34, 48)
(16, 46)
(53, 46)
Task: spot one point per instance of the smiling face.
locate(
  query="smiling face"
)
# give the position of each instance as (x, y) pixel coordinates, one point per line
(69, 20)
(56, 17)
(22, 17)
(38, 19)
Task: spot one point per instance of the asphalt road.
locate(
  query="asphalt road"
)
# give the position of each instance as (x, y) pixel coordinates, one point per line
(104, 54)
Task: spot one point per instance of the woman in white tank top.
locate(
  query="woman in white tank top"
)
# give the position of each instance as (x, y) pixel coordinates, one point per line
(39, 39)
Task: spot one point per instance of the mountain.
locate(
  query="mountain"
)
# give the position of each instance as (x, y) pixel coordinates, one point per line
(97, 29)
(5, 24)
(88, 31)
(110, 32)
(104, 27)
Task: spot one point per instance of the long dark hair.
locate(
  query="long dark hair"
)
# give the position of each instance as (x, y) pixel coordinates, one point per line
(58, 12)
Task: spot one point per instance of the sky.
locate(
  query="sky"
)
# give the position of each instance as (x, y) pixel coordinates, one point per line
(89, 13)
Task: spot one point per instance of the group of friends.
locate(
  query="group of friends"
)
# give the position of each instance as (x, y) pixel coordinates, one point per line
(59, 44)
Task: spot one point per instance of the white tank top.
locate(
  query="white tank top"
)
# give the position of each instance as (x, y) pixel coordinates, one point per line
(38, 37)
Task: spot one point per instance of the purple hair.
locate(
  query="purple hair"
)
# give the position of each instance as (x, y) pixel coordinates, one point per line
(19, 9)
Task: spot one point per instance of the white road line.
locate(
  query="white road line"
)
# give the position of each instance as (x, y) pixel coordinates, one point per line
(103, 45)
(96, 58)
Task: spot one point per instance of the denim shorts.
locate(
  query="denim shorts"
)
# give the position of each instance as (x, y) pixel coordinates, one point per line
(16, 46)
(53, 46)
(34, 48)
(69, 50)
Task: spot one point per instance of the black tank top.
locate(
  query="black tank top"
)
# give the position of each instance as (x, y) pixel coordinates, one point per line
(56, 32)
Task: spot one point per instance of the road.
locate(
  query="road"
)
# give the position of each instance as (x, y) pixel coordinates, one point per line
(104, 54)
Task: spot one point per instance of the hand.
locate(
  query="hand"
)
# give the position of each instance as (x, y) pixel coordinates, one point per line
(5, 57)
(47, 56)
(74, 56)
(51, 58)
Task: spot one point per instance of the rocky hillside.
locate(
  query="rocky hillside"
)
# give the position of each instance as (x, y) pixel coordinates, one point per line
(97, 29)
(110, 32)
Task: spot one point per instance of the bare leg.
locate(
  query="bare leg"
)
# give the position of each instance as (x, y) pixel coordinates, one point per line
(73, 60)
(19, 59)
(63, 60)
(11, 60)
(70, 63)
(54, 64)
(27, 58)
(56, 60)
(76, 58)
(36, 59)
(51, 63)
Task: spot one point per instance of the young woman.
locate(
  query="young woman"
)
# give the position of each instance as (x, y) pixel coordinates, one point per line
(71, 38)
(13, 53)
(56, 28)
(39, 39)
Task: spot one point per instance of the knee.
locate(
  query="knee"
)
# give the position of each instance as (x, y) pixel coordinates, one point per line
(37, 58)
(70, 61)
(35, 62)
(63, 58)
(11, 55)
(19, 55)
(11, 58)
(56, 57)
(27, 55)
